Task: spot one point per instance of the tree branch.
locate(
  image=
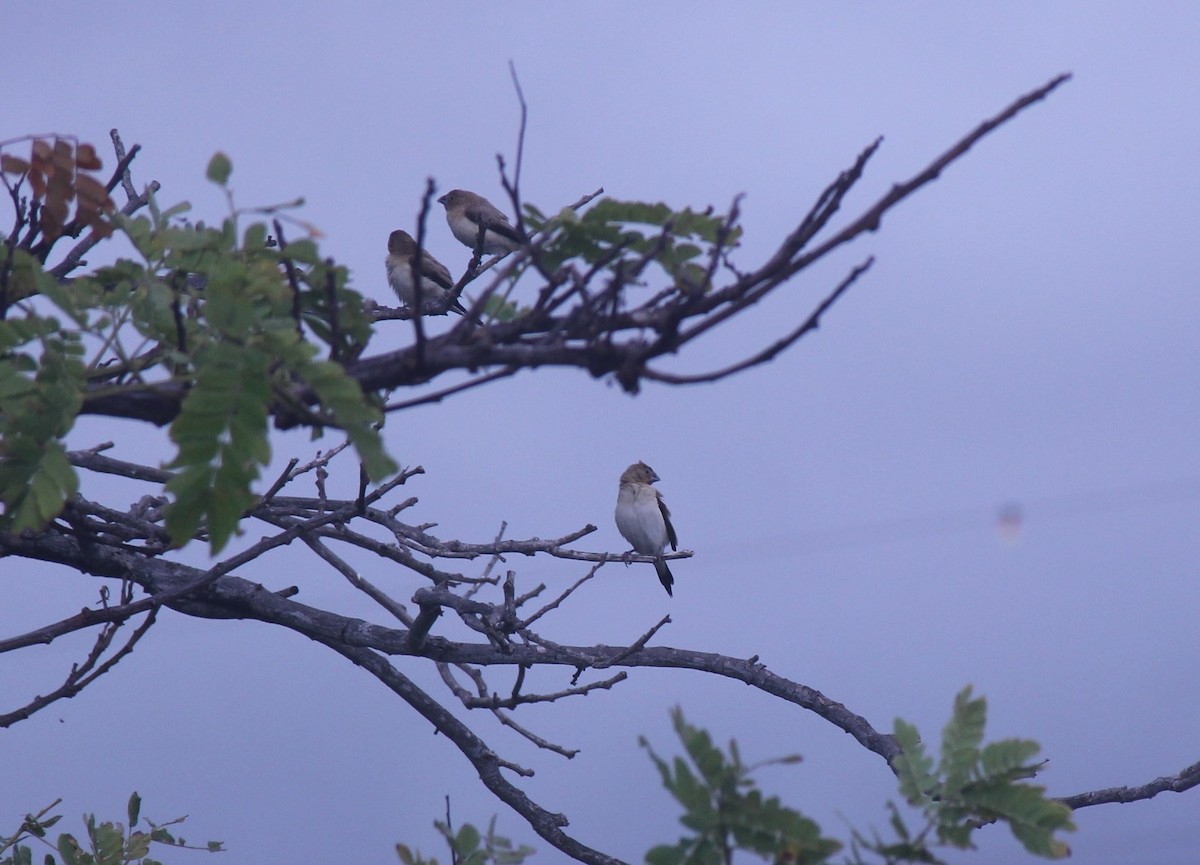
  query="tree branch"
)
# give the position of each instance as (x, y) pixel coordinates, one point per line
(1183, 780)
(487, 764)
(592, 333)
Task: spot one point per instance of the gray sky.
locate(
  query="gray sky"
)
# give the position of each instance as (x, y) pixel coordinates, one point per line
(1027, 335)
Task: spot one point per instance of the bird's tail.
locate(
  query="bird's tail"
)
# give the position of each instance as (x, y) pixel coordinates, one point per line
(664, 575)
(462, 310)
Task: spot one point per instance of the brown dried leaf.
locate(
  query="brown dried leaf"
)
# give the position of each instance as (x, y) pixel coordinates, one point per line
(64, 157)
(86, 158)
(60, 186)
(101, 228)
(37, 181)
(54, 217)
(12, 164)
(89, 212)
(92, 194)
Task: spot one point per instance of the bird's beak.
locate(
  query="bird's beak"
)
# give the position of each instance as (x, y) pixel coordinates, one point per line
(442, 200)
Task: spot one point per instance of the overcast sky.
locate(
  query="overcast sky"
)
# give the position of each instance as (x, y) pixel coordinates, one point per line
(1027, 336)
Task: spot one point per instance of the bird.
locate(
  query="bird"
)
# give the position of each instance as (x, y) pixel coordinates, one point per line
(467, 212)
(435, 278)
(644, 520)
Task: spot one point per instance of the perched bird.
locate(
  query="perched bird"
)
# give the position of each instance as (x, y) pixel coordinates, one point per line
(466, 212)
(435, 278)
(643, 518)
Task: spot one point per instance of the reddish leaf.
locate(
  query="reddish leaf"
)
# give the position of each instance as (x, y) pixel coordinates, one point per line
(101, 228)
(64, 157)
(92, 193)
(60, 187)
(38, 181)
(12, 165)
(86, 158)
(54, 217)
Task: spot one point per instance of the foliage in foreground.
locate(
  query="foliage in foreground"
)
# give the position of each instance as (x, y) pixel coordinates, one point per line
(725, 812)
(724, 809)
(969, 786)
(470, 847)
(104, 843)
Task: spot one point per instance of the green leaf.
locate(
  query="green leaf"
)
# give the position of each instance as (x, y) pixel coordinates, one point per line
(255, 237)
(913, 766)
(302, 251)
(136, 846)
(69, 850)
(219, 169)
(176, 209)
(467, 840)
(108, 841)
(27, 277)
(35, 413)
(155, 214)
(34, 483)
(1032, 817)
(1009, 757)
(345, 401)
(221, 434)
(687, 788)
(961, 739)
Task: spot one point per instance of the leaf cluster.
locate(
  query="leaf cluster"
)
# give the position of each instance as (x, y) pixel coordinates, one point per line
(105, 843)
(625, 235)
(725, 811)
(470, 847)
(972, 784)
(41, 384)
(59, 175)
(235, 320)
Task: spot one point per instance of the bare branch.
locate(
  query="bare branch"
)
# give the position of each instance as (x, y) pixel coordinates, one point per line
(122, 174)
(91, 669)
(770, 352)
(1183, 780)
(502, 716)
(871, 219)
(547, 824)
(636, 646)
(451, 391)
(486, 700)
(553, 605)
(85, 618)
(418, 274)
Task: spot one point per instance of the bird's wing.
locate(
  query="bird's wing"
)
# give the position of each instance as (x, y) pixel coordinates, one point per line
(493, 220)
(434, 270)
(666, 515)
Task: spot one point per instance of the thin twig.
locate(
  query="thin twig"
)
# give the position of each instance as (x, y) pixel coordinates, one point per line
(1183, 780)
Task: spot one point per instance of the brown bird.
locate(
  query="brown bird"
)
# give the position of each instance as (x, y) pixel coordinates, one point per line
(467, 212)
(644, 520)
(435, 278)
